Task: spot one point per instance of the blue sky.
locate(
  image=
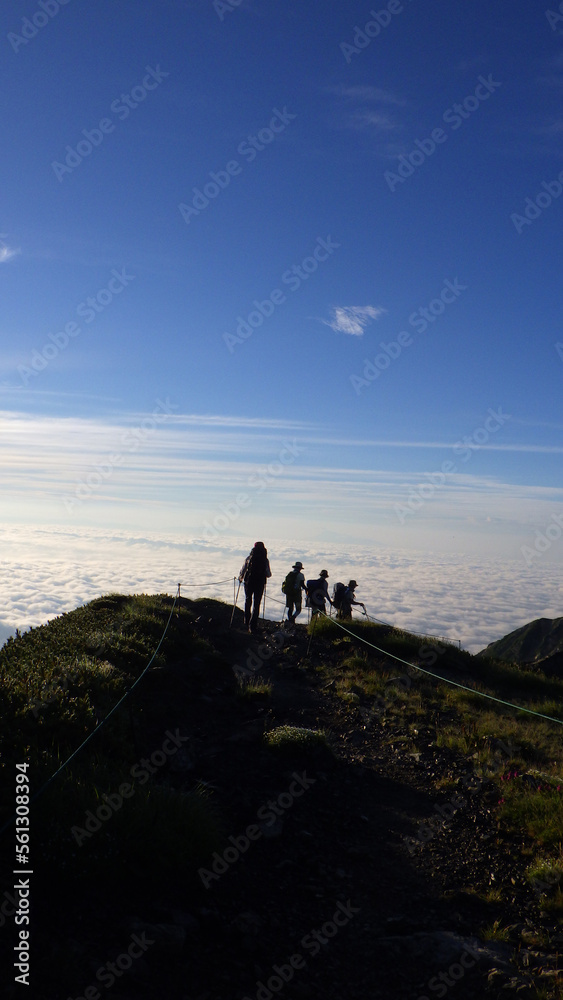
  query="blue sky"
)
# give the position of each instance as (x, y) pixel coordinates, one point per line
(290, 125)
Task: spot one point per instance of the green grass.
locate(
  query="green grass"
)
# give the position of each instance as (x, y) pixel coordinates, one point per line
(296, 738)
(57, 682)
(538, 813)
(254, 688)
(494, 932)
(492, 738)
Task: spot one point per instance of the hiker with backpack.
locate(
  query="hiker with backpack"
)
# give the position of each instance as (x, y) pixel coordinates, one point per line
(293, 587)
(317, 594)
(344, 598)
(254, 573)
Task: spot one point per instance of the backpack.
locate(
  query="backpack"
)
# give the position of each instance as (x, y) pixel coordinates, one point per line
(315, 593)
(337, 594)
(288, 585)
(255, 565)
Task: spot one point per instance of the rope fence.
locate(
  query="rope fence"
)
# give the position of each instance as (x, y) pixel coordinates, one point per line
(446, 680)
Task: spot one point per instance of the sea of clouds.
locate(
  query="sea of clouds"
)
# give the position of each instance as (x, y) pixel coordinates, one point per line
(45, 571)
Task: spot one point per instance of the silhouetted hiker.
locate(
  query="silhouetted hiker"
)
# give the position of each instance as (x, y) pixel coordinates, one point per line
(347, 600)
(254, 573)
(293, 587)
(317, 593)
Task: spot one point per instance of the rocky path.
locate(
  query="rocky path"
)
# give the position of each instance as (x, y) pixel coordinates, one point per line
(399, 922)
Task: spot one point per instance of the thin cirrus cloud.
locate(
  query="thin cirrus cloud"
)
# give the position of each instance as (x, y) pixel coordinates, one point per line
(367, 94)
(352, 319)
(6, 252)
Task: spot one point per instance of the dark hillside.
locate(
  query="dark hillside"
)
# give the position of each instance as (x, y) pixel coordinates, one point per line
(295, 814)
(532, 643)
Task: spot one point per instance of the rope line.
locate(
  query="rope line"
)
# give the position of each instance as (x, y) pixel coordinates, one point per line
(212, 583)
(103, 722)
(445, 680)
(396, 627)
(412, 631)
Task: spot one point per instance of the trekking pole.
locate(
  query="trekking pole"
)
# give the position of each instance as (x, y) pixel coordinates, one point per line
(264, 604)
(235, 604)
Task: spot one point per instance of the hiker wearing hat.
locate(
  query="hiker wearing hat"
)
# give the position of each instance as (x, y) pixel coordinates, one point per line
(293, 587)
(254, 573)
(348, 599)
(317, 593)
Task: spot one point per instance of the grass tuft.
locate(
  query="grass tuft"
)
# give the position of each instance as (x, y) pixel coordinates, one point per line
(288, 738)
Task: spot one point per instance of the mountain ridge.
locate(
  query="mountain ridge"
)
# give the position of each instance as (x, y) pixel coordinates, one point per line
(538, 643)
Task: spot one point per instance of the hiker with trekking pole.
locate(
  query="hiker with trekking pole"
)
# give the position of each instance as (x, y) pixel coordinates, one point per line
(344, 597)
(254, 573)
(317, 594)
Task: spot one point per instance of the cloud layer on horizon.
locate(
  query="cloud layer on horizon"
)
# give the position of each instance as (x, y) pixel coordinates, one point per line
(47, 571)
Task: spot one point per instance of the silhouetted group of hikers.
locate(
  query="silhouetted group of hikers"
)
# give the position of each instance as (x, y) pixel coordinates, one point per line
(256, 571)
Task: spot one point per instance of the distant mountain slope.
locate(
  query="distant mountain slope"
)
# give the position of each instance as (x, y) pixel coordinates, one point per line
(532, 643)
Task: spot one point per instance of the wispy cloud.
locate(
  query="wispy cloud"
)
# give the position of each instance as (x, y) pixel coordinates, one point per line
(6, 252)
(367, 118)
(352, 319)
(370, 95)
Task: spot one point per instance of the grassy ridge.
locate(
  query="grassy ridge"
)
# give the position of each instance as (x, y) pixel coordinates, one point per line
(529, 782)
(57, 683)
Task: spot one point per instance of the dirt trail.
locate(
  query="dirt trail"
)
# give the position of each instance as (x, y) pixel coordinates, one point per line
(341, 843)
